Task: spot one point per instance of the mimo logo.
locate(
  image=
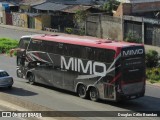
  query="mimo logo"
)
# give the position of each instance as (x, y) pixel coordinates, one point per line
(76, 64)
(133, 52)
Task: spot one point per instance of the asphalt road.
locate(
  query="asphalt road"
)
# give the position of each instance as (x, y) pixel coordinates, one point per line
(13, 33)
(67, 101)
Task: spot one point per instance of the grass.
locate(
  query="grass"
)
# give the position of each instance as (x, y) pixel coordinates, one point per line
(7, 44)
(153, 75)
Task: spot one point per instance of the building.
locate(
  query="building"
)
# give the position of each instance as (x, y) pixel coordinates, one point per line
(141, 20)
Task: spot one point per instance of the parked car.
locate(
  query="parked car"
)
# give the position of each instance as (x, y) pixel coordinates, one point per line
(5, 79)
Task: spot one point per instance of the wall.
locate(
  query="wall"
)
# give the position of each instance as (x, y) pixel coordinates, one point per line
(46, 20)
(112, 28)
(38, 22)
(104, 26)
(93, 26)
(129, 8)
(20, 19)
(1, 14)
(119, 11)
(146, 7)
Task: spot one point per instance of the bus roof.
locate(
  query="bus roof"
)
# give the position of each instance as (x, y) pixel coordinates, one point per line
(30, 36)
(91, 42)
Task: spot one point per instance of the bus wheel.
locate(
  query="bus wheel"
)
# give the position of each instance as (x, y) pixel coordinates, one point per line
(82, 91)
(93, 93)
(31, 79)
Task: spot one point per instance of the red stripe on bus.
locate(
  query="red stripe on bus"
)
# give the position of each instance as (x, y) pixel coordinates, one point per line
(115, 78)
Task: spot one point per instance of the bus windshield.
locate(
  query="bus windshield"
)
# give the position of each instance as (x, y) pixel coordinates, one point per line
(23, 44)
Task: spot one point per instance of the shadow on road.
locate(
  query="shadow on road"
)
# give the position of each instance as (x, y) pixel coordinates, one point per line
(17, 91)
(146, 103)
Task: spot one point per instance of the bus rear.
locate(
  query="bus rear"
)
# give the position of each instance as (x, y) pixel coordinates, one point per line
(132, 82)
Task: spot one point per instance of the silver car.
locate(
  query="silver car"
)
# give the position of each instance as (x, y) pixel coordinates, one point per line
(5, 79)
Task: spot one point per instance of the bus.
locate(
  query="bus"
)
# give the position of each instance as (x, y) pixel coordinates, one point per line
(94, 68)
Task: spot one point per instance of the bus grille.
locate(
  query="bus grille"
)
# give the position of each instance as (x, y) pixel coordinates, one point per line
(109, 91)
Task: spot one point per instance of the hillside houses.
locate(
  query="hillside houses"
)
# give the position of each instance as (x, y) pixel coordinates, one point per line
(137, 19)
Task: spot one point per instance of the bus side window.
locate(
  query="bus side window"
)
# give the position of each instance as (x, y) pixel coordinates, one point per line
(47, 46)
(104, 55)
(35, 45)
(58, 48)
(90, 53)
(72, 50)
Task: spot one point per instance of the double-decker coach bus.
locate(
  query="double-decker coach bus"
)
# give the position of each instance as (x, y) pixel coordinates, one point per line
(99, 69)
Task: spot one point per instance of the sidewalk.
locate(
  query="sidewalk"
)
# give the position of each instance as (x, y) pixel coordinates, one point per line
(28, 29)
(15, 104)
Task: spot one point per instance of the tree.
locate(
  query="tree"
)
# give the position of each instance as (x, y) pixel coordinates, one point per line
(110, 5)
(80, 17)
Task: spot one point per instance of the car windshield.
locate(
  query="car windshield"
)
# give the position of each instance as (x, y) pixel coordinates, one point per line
(3, 74)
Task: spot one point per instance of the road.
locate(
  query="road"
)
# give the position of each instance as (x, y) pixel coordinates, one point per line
(66, 101)
(13, 33)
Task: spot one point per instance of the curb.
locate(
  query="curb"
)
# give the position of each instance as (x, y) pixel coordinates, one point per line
(153, 84)
(28, 29)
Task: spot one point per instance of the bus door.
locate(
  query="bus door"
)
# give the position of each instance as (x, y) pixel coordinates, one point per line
(69, 79)
(44, 73)
(56, 72)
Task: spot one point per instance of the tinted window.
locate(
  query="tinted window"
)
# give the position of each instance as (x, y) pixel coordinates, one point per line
(24, 43)
(104, 55)
(48, 46)
(35, 45)
(72, 50)
(3, 74)
(97, 54)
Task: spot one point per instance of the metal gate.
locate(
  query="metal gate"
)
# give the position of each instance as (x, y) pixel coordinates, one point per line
(31, 22)
(133, 28)
(152, 34)
(9, 19)
(148, 34)
(156, 36)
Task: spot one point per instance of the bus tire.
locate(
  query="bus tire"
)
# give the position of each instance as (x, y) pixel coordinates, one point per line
(31, 78)
(93, 94)
(82, 91)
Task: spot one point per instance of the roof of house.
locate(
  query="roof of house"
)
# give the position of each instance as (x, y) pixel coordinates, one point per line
(72, 2)
(31, 2)
(50, 6)
(75, 8)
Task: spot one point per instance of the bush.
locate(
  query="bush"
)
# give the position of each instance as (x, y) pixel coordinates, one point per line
(69, 30)
(133, 39)
(7, 44)
(152, 58)
(153, 75)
